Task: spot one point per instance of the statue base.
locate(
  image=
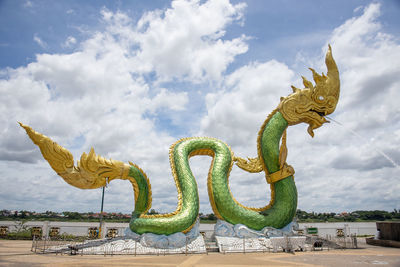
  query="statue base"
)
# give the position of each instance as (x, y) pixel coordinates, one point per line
(240, 238)
(261, 244)
(132, 243)
(133, 247)
(121, 246)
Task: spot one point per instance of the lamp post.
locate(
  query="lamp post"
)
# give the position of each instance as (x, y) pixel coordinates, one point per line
(101, 213)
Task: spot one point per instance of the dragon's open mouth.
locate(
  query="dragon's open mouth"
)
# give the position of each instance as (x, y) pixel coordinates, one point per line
(322, 114)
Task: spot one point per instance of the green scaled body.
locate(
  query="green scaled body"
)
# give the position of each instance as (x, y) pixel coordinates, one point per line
(278, 215)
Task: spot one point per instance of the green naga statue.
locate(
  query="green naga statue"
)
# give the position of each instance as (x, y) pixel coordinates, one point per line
(309, 105)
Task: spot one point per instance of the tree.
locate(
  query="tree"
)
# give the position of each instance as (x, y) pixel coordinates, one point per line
(211, 217)
(396, 214)
(72, 215)
(152, 212)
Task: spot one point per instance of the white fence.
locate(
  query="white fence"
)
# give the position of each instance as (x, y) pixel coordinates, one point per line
(348, 228)
(82, 228)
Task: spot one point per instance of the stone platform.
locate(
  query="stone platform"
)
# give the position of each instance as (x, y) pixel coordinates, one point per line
(261, 244)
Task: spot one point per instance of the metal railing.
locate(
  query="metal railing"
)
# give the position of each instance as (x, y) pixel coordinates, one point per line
(113, 246)
(122, 245)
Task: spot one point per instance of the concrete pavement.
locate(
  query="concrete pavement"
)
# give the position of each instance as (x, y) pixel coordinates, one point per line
(17, 253)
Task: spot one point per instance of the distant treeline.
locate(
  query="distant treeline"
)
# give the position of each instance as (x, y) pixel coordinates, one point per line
(302, 216)
(355, 216)
(64, 216)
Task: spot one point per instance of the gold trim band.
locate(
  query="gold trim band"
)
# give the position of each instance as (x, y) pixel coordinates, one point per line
(283, 173)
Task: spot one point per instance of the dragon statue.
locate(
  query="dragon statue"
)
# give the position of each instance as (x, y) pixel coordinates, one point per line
(309, 105)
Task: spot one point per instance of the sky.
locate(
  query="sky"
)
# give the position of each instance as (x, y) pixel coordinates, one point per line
(129, 78)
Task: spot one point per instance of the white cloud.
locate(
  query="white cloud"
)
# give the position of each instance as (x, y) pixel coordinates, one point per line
(39, 41)
(28, 4)
(359, 176)
(165, 99)
(251, 92)
(70, 41)
(186, 40)
(97, 96)
(335, 170)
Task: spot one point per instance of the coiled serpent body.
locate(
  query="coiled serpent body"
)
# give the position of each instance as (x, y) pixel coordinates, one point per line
(278, 214)
(309, 105)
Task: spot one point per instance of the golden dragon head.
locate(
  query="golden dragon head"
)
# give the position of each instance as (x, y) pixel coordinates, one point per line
(313, 103)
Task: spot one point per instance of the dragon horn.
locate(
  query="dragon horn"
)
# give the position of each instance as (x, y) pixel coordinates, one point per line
(333, 81)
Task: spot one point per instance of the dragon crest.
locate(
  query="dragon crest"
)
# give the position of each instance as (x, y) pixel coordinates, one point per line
(313, 103)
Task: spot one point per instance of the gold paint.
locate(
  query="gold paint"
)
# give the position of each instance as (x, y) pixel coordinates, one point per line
(312, 103)
(283, 151)
(283, 173)
(285, 169)
(135, 187)
(252, 165)
(59, 158)
(93, 171)
(202, 152)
